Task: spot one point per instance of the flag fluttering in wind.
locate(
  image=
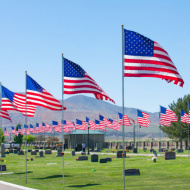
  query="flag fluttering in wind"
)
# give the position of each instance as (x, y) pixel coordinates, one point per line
(167, 116)
(126, 120)
(76, 80)
(146, 58)
(32, 129)
(184, 117)
(80, 124)
(16, 102)
(37, 95)
(4, 114)
(143, 118)
(5, 132)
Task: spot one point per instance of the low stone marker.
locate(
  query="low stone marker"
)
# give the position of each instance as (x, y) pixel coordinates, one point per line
(41, 154)
(73, 153)
(6, 152)
(120, 154)
(15, 151)
(94, 158)
(154, 152)
(21, 152)
(132, 172)
(59, 151)
(29, 150)
(11, 151)
(108, 159)
(83, 153)
(169, 155)
(179, 150)
(48, 152)
(81, 158)
(103, 160)
(3, 168)
(134, 150)
(36, 150)
(33, 152)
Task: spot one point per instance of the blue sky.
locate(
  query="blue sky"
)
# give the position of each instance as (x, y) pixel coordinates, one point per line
(34, 34)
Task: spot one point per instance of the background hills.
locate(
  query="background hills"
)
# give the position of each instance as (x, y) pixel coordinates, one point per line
(80, 107)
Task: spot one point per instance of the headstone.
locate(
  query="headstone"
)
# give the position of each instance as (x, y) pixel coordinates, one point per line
(120, 154)
(135, 150)
(3, 168)
(21, 152)
(48, 152)
(3, 150)
(179, 150)
(108, 159)
(169, 155)
(94, 158)
(29, 150)
(59, 151)
(41, 154)
(145, 149)
(83, 153)
(37, 150)
(11, 151)
(81, 158)
(33, 152)
(6, 152)
(73, 153)
(15, 151)
(132, 172)
(103, 160)
(154, 152)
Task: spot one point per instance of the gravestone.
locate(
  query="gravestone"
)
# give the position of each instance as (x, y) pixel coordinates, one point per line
(11, 151)
(6, 152)
(132, 172)
(41, 154)
(179, 150)
(21, 152)
(48, 152)
(108, 159)
(120, 153)
(73, 153)
(3, 168)
(37, 150)
(59, 150)
(103, 160)
(15, 151)
(134, 150)
(81, 158)
(3, 150)
(83, 153)
(169, 155)
(94, 158)
(33, 152)
(29, 150)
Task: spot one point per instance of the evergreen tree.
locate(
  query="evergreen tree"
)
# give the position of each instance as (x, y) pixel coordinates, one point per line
(173, 131)
(18, 139)
(2, 139)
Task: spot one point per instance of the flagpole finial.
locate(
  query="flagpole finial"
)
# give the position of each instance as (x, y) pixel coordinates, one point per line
(122, 25)
(62, 54)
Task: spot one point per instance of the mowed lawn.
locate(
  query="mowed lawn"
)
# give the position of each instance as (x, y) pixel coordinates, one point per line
(44, 174)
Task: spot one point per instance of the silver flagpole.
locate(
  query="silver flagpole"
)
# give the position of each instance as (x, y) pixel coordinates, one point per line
(62, 112)
(26, 124)
(188, 129)
(123, 105)
(1, 123)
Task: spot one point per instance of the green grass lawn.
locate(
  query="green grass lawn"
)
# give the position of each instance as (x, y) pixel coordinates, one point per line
(164, 174)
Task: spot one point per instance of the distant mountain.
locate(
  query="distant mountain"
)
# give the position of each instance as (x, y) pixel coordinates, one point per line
(79, 107)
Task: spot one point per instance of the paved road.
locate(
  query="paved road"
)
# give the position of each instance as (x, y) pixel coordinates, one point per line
(11, 186)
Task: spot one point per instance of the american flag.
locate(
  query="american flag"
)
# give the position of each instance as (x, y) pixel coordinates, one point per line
(69, 124)
(13, 130)
(99, 126)
(184, 117)
(5, 132)
(80, 124)
(146, 58)
(38, 96)
(76, 80)
(32, 129)
(16, 102)
(126, 120)
(167, 116)
(102, 123)
(143, 118)
(4, 114)
(92, 125)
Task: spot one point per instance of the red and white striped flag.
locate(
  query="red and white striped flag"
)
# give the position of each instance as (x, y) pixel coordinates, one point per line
(146, 58)
(143, 119)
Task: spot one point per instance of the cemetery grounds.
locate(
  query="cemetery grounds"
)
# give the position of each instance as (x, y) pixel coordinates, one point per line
(46, 173)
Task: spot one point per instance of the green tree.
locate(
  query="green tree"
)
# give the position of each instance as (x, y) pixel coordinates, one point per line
(173, 131)
(2, 139)
(30, 138)
(19, 138)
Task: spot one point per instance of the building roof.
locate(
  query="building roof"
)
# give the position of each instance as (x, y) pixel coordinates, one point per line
(85, 132)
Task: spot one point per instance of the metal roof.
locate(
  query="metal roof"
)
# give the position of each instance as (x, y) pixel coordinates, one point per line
(85, 132)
